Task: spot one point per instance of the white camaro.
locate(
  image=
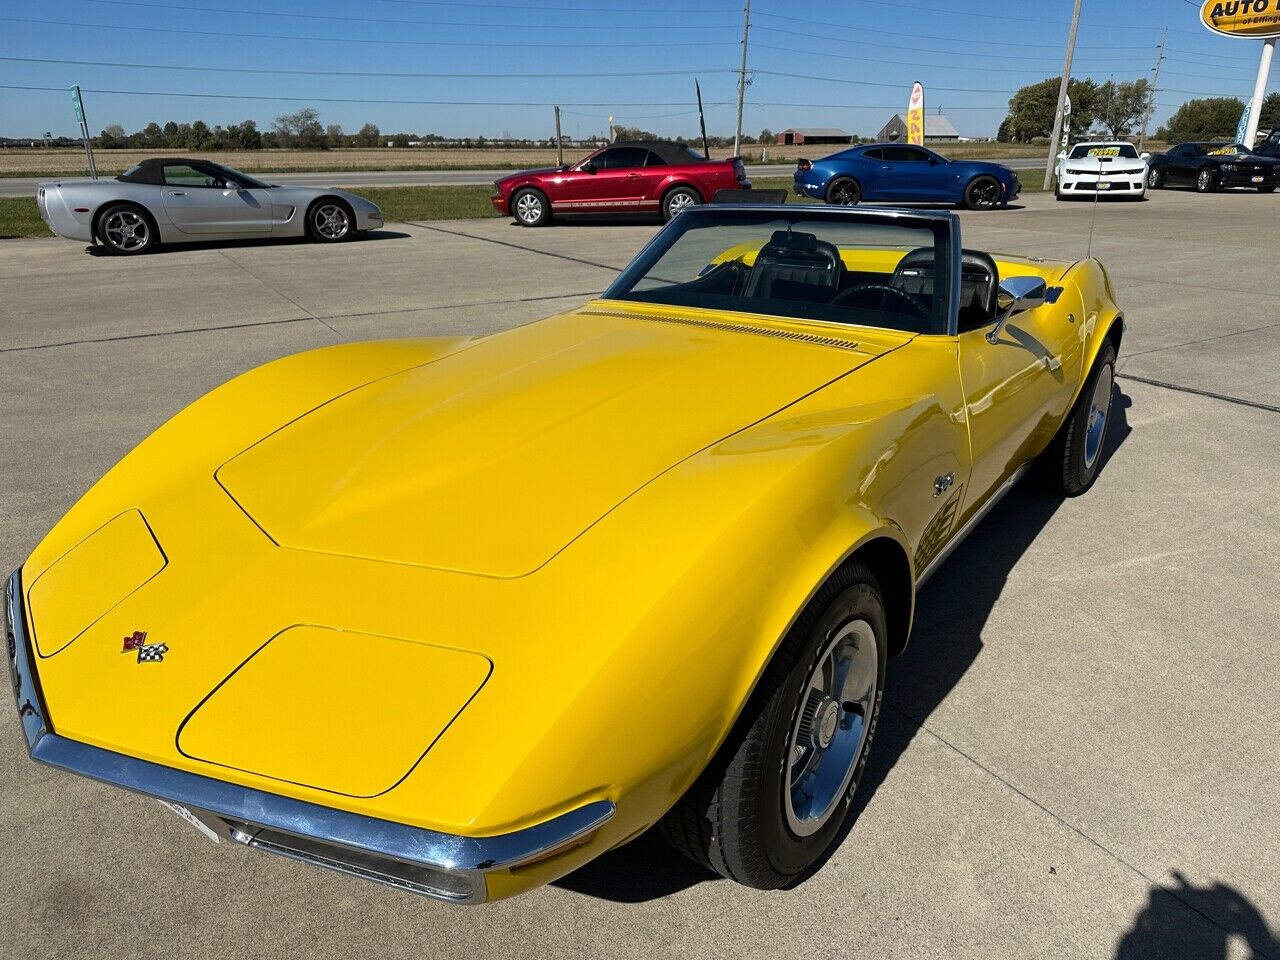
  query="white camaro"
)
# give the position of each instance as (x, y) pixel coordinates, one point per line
(1112, 167)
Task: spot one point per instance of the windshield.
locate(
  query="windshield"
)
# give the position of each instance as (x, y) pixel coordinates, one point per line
(242, 178)
(1126, 151)
(1227, 150)
(866, 269)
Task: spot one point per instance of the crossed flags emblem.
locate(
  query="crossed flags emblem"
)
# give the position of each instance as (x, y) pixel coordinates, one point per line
(147, 652)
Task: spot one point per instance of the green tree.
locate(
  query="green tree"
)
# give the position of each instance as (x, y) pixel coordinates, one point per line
(1210, 118)
(301, 130)
(1032, 108)
(1269, 115)
(333, 135)
(112, 137)
(171, 135)
(152, 135)
(369, 135)
(766, 136)
(1121, 105)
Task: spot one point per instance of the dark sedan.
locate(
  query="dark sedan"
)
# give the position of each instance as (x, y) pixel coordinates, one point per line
(1213, 166)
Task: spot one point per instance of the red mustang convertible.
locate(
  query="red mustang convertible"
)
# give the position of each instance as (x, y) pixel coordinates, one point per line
(644, 176)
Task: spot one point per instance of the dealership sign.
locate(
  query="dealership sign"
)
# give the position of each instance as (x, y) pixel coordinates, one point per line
(915, 115)
(1250, 19)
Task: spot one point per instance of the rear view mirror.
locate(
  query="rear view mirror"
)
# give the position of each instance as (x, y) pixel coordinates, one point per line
(1017, 295)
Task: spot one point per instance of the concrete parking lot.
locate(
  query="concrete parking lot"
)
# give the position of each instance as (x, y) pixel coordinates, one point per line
(1079, 755)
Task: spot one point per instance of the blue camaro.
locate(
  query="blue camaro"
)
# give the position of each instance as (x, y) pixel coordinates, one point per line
(897, 171)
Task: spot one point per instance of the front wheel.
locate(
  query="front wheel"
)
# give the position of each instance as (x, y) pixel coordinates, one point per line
(1205, 181)
(679, 199)
(1072, 461)
(844, 192)
(774, 801)
(330, 221)
(1155, 178)
(982, 194)
(531, 208)
(126, 230)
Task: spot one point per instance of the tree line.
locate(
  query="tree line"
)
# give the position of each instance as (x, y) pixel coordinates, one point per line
(297, 131)
(1117, 109)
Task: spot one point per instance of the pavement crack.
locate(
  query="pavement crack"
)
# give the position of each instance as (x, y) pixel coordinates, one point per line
(279, 293)
(514, 246)
(156, 333)
(1129, 354)
(1056, 817)
(1239, 401)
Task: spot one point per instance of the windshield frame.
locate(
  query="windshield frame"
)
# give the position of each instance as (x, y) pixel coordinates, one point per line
(666, 238)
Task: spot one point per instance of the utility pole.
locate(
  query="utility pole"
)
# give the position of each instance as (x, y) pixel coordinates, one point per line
(1259, 88)
(1151, 98)
(742, 78)
(559, 140)
(1062, 96)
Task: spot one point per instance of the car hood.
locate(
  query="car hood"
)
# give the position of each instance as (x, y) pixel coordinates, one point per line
(493, 459)
(541, 171)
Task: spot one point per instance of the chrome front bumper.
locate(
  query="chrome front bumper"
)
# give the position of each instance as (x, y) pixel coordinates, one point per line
(438, 865)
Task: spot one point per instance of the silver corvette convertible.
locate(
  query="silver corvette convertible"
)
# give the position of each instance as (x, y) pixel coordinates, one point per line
(179, 200)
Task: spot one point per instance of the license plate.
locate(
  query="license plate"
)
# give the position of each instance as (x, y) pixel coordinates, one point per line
(1257, 179)
(192, 819)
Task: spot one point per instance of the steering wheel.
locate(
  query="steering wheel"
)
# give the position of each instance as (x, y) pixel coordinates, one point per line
(874, 296)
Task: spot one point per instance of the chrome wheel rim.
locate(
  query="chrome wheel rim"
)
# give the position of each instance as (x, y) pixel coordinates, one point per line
(844, 193)
(679, 201)
(986, 193)
(126, 230)
(1099, 411)
(331, 221)
(830, 732)
(1153, 178)
(1204, 179)
(529, 208)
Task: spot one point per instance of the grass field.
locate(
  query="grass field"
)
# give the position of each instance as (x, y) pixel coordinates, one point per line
(20, 218)
(23, 162)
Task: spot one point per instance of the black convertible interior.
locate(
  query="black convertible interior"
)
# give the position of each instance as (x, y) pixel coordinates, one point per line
(799, 271)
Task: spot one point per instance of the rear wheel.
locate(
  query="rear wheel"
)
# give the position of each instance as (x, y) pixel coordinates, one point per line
(1155, 178)
(330, 220)
(530, 207)
(1071, 463)
(982, 194)
(844, 192)
(775, 799)
(126, 230)
(1206, 182)
(677, 199)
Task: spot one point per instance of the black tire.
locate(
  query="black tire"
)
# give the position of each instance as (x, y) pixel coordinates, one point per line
(1271, 188)
(530, 207)
(1206, 181)
(1155, 178)
(737, 817)
(1057, 192)
(982, 193)
(844, 192)
(127, 230)
(1073, 459)
(677, 198)
(330, 220)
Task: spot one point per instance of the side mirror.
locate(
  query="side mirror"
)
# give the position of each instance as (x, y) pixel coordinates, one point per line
(1145, 155)
(232, 187)
(1062, 154)
(588, 167)
(1017, 295)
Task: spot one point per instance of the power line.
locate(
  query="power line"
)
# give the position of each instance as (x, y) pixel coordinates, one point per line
(933, 66)
(359, 73)
(411, 43)
(908, 34)
(389, 20)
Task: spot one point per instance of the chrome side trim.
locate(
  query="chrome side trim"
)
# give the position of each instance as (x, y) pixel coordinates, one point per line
(240, 807)
(972, 522)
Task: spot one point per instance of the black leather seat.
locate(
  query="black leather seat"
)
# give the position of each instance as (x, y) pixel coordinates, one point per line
(796, 266)
(979, 283)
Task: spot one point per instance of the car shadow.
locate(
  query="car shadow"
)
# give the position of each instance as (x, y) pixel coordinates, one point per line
(97, 250)
(951, 613)
(1185, 920)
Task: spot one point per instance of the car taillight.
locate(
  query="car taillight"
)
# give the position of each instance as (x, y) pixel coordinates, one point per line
(803, 164)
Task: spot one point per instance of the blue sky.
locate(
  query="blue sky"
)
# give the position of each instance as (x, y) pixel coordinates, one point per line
(970, 54)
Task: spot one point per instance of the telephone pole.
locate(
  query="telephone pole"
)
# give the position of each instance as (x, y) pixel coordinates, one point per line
(559, 140)
(1062, 95)
(742, 78)
(1151, 97)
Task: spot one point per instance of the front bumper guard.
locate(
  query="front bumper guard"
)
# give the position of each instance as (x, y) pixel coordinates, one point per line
(438, 865)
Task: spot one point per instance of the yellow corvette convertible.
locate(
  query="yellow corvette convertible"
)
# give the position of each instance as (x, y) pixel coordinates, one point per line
(459, 615)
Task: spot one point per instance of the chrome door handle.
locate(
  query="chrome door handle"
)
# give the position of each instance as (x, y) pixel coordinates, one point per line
(177, 193)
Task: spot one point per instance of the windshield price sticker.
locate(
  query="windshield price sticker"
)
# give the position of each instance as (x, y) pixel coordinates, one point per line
(1104, 152)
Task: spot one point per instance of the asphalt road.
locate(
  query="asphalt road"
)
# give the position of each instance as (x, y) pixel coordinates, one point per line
(1079, 754)
(26, 186)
